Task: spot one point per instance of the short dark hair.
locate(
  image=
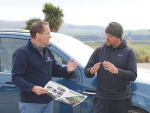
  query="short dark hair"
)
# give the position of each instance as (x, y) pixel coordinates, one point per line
(37, 27)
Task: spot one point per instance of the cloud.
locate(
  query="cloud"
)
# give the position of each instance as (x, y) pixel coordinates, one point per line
(132, 14)
(20, 14)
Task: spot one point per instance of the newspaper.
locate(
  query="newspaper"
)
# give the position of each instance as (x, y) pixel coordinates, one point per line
(63, 94)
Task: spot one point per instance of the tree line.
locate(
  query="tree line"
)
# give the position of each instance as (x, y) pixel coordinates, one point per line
(126, 37)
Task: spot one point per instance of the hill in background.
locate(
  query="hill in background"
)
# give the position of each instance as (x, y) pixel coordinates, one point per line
(74, 30)
(12, 24)
(68, 29)
(84, 32)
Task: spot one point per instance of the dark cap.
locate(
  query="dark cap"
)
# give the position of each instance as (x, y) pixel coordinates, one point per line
(115, 29)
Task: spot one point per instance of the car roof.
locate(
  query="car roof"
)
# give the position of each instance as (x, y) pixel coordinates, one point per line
(143, 75)
(27, 32)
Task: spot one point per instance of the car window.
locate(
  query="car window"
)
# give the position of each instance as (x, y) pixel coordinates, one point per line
(7, 48)
(62, 62)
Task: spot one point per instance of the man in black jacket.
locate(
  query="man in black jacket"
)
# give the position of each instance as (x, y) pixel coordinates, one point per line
(33, 67)
(115, 64)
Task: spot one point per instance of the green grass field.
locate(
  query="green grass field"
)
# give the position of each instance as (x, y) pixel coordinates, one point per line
(142, 50)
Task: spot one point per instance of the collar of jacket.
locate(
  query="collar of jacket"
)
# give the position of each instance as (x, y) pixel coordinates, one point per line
(29, 42)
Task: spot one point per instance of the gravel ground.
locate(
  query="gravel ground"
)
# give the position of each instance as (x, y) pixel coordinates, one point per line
(143, 65)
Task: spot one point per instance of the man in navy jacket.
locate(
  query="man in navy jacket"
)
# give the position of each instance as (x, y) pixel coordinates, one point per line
(33, 66)
(115, 64)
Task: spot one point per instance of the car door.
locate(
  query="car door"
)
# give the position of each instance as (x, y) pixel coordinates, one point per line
(89, 88)
(9, 93)
(73, 83)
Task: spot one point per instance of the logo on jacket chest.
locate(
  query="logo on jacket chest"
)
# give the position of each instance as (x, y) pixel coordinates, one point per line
(48, 59)
(120, 55)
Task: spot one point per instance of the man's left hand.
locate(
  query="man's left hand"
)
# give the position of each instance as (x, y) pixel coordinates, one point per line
(71, 66)
(110, 67)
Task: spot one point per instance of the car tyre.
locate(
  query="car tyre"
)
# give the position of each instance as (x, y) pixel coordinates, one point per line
(136, 110)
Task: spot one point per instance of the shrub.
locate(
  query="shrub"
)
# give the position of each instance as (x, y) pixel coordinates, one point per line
(30, 21)
(146, 58)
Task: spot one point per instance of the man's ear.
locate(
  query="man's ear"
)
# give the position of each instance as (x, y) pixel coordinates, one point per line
(38, 35)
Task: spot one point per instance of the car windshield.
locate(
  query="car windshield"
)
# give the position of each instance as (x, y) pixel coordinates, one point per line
(76, 49)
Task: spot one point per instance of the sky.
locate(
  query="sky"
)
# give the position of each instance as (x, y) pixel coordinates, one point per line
(131, 14)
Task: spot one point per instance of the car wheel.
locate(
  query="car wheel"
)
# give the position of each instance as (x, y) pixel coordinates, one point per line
(136, 110)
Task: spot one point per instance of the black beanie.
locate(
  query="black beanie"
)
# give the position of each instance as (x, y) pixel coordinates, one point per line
(114, 29)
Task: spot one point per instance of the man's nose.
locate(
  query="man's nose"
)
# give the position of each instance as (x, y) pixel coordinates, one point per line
(50, 36)
(107, 37)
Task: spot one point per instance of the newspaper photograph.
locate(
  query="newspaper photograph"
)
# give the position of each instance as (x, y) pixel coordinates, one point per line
(63, 94)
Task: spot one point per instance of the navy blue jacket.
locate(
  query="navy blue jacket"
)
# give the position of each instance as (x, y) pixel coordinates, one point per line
(31, 69)
(111, 86)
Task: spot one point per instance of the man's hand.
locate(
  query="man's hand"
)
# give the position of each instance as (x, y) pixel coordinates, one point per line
(71, 66)
(39, 90)
(95, 68)
(110, 67)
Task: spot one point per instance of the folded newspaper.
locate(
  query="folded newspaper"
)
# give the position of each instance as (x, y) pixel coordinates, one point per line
(63, 94)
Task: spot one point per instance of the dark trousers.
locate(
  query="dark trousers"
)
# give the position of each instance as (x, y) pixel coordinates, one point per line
(111, 106)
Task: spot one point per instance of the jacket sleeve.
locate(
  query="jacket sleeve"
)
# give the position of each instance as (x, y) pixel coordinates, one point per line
(89, 65)
(130, 74)
(60, 71)
(19, 66)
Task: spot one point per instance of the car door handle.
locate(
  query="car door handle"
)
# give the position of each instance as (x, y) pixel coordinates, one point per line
(8, 85)
(90, 92)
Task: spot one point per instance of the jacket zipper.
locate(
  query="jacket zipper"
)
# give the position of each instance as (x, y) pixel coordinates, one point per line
(44, 51)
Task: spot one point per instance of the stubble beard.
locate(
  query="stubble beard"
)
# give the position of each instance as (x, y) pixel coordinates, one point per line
(111, 45)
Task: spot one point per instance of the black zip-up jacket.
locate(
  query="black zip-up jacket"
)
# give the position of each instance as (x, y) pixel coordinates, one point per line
(31, 69)
(111, 86)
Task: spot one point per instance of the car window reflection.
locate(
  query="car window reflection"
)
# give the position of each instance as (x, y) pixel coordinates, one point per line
(7, 48)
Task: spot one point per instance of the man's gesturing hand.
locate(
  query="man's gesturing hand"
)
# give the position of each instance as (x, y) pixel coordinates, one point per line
(39, 90)
(95, 68)
(110, 67)
(71, 66)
